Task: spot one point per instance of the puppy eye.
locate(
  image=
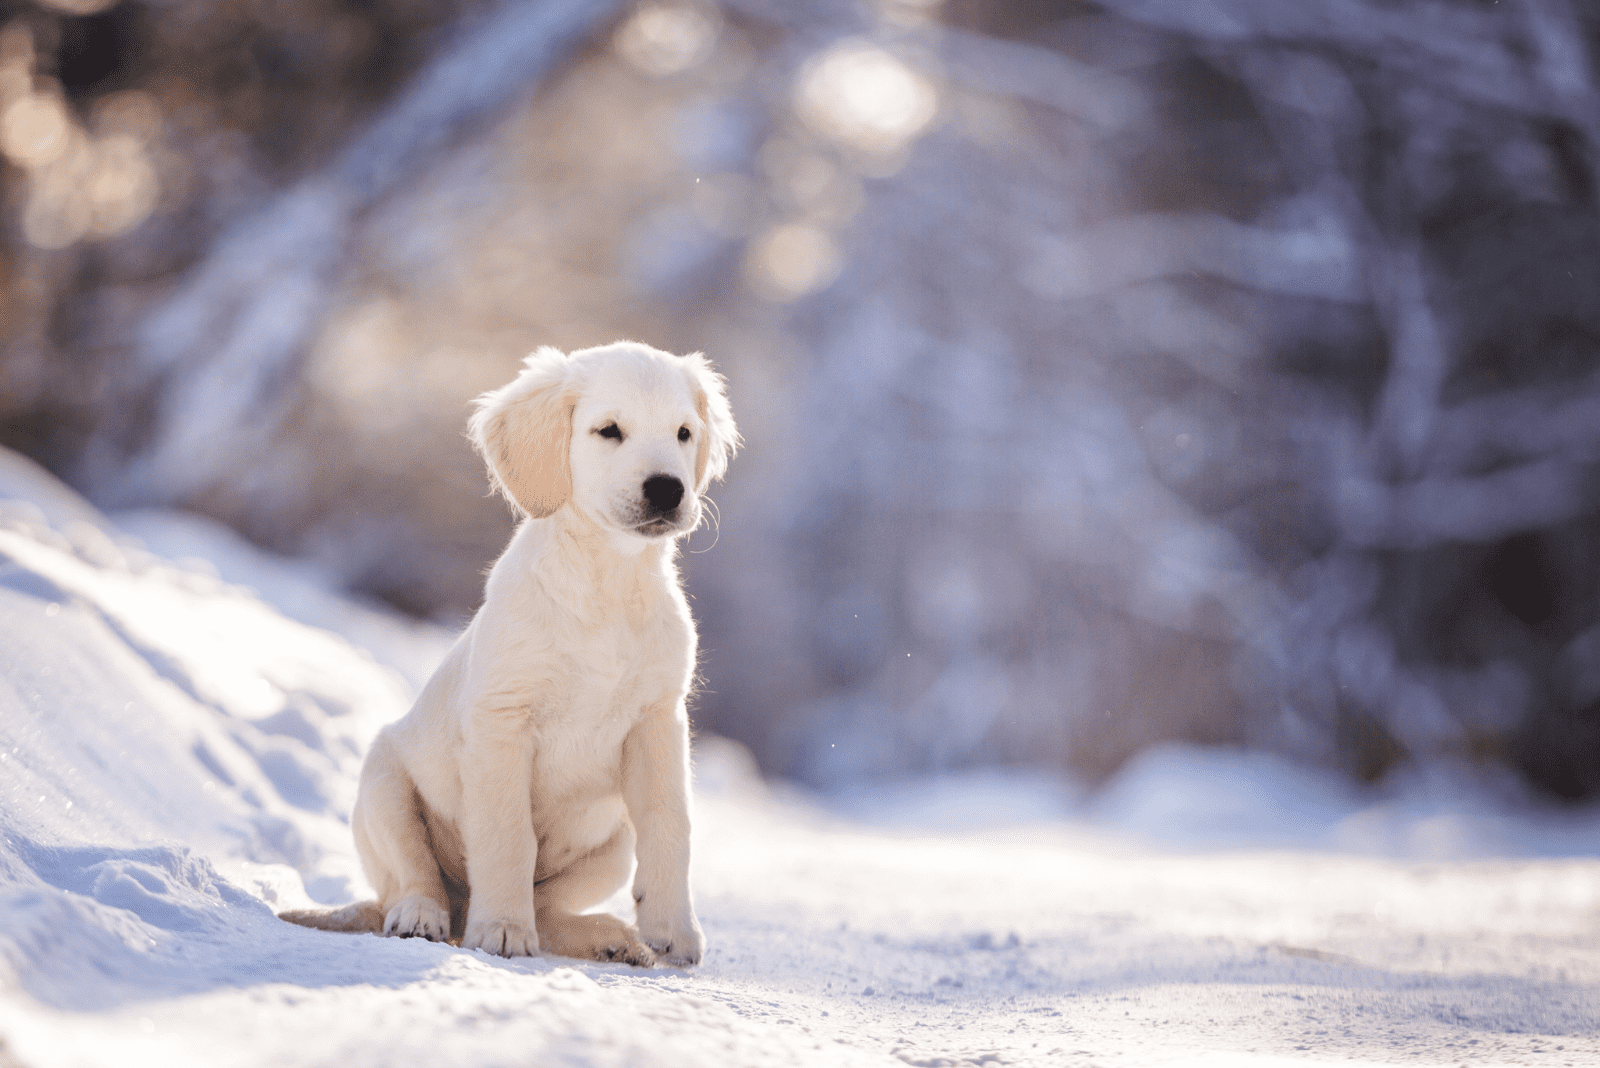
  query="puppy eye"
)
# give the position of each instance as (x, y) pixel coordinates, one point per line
(610, 430)
(683, 433)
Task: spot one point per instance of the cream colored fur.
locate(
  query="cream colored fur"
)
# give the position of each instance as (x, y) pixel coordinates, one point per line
(550, 750)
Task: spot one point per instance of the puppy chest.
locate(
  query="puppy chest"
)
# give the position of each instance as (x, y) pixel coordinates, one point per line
(580, 724)
(578, 745)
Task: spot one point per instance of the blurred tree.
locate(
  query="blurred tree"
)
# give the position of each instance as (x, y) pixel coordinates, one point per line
(1112, 372)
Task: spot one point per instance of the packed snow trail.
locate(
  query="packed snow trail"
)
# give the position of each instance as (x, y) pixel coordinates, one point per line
(177, 760)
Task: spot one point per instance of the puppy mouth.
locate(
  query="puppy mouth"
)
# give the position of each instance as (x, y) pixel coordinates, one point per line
(670, 525)
(655, 528)
(638, 518)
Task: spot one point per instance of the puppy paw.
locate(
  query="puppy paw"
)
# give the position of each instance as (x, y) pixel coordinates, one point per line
(418, 917)
(599, 936)
(679, 943)
(504, 938)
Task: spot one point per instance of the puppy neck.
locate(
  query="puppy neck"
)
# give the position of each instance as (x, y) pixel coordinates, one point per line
(603, 556)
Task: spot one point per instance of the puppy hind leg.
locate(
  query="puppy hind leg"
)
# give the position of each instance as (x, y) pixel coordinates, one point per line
(559, 900)
(396, 851)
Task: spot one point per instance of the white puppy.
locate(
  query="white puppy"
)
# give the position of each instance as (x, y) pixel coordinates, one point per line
(551, 747)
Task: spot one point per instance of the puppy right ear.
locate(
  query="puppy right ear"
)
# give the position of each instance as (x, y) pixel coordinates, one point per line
(523, 431)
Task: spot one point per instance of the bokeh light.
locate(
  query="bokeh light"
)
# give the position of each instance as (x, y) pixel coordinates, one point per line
(866, 98)
(791, 260)
(663, 38)
(82, 182)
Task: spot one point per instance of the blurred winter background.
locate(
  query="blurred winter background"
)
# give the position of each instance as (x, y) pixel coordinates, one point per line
(1117, 372)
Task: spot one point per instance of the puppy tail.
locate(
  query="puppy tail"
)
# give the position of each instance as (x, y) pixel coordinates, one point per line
(360, 917)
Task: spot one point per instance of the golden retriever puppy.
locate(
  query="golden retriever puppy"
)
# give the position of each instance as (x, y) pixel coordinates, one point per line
(550, 750)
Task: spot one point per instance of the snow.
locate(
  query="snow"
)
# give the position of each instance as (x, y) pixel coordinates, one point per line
(177, 760)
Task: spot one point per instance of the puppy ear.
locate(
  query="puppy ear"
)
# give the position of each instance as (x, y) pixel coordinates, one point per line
(721, 438)
(523, 431)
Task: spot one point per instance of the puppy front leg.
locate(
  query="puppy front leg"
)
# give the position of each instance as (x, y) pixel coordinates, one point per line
(497, 833)
(655, 785)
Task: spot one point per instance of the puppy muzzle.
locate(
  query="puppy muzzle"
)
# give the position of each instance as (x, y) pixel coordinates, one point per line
(661, 510)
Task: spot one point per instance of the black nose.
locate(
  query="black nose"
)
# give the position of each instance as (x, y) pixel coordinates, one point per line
(663, 492)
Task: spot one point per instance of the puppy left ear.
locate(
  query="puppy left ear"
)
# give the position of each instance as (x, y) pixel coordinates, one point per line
(721, 438)
(523, 430)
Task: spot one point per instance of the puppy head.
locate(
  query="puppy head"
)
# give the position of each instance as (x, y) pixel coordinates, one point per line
(627, 435)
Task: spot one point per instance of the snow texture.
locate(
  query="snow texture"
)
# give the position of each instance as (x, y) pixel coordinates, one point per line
(177, 761)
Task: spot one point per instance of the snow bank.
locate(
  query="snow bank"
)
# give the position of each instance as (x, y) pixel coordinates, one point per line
(177, 760)
(159, 725)
(299, 589)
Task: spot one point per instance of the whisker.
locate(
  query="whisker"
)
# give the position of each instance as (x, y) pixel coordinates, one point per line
(716, 522)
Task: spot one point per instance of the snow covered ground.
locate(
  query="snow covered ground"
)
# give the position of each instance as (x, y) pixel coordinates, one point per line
(177, 760)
